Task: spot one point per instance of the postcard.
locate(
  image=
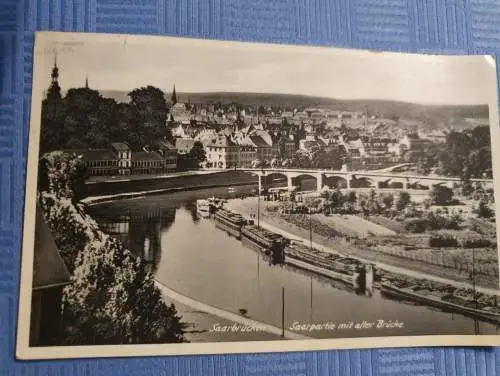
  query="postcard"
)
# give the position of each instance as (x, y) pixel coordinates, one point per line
(192, 196)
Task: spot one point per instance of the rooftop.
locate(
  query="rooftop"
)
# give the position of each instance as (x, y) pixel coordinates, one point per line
(120, 146)
(259, 141)
(146, 156)
(94, 154)
(184, 143)
(166, 144)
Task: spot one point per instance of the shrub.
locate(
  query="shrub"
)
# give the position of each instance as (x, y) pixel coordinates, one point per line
(441, 195)
(477, 243)
(439, 222)
(483, 211)
(417, 226)
(442, 241)
(403, 200)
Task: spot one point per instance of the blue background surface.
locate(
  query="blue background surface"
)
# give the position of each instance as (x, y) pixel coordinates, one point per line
(434, 26)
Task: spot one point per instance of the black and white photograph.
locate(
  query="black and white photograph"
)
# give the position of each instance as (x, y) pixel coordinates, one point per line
(190, 196)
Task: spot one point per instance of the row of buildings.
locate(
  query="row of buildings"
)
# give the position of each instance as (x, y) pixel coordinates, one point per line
(231, 148)
(242, 147)
(120, 160)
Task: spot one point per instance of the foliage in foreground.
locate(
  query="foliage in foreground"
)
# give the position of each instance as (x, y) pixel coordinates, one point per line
(112, 299)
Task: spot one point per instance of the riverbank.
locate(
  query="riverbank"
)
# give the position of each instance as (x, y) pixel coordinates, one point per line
(170, 175)
(389, 263)
(205, 323)
(161, 184)
(94, 200)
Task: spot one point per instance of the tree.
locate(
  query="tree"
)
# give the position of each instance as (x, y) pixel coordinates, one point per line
(337, 199)
(388, 201)
(441, 195)
(484, 211)
(70, 235)
(275, 162)
(281, 146)
(151, 112)
(403, 200)
(110, 283)
(66, 174)
(351, 197)
(197, 154)
(329, 157)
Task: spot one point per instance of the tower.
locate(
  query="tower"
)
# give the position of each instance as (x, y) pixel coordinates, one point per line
(54, 91)
(86, 82)
(174, 97)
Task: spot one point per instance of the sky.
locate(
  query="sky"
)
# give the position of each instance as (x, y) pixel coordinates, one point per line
(124, 63)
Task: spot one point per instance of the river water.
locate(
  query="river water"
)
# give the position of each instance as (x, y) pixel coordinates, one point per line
(193, 257)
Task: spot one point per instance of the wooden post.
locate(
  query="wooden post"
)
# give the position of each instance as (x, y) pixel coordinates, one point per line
(310, 232)
(283, 312)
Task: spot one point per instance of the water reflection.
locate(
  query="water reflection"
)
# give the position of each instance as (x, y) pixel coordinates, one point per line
(139, 230)
(190, 255)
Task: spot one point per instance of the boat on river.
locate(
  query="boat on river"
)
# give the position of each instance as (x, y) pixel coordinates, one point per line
(448, 302)
(337, 267)
(215, 203)
(265, 241)
(230, 222)
(203, 208)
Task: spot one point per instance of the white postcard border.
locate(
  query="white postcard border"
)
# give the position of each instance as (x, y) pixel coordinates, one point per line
(25, 352)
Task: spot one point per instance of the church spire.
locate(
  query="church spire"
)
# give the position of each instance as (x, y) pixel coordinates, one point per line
(54, 91)
(174, 96)
(55, 70)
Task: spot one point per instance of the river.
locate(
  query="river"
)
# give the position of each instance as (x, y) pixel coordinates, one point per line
(193, 257)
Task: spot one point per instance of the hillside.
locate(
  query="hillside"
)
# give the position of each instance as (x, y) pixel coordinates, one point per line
(384, 108)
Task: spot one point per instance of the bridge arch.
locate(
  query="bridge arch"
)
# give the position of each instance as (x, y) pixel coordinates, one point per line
(274, 179)
(306, 182)
(363, 182)
(336, 182)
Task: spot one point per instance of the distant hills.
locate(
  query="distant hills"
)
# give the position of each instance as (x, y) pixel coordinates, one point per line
(433, 114)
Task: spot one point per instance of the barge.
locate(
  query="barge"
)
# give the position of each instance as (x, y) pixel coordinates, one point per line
(264, 241)
(230, 222)
(334, 266)
(447, 302)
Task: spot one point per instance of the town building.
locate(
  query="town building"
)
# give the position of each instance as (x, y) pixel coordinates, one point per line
(169, 155)
(180, 113)
(124, 154)
(120, 160)
(247, 153)
(184, 145)
(265, 151)
(221, 152)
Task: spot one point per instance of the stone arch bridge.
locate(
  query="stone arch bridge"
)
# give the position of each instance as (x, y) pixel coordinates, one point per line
(360, 179)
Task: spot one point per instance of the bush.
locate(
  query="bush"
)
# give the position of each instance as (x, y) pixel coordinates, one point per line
(403, 200)
(438, 222)
(417, 226)
(483, 211)
(441, 195)
(442, 241)
(477, 243)
(113, 300)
